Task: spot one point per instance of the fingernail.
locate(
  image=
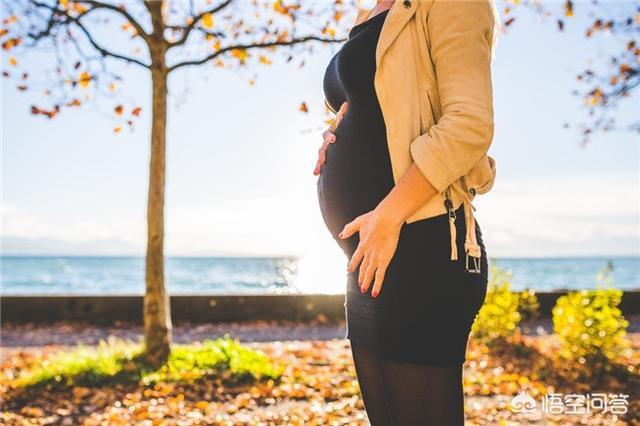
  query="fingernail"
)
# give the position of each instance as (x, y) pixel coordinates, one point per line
(340, 234)
(362, 290)
(374, 293)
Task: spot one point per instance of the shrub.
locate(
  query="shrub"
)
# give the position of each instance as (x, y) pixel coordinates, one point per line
(528, 304)
(499, 316)
(119, 361)
(590, 324)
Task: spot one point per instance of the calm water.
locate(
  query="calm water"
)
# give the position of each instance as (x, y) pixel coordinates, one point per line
(125, 275)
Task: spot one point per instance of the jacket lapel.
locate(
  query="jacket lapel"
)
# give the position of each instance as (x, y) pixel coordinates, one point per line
(395, 20)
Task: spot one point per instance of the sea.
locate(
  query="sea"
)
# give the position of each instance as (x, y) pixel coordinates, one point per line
(77, 275)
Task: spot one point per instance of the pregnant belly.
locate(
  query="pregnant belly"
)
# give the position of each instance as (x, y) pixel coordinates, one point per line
(356, 175)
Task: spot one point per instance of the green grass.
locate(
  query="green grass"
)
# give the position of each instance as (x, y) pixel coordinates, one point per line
(120, 361)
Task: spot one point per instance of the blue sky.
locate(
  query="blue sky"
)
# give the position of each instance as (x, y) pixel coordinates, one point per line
(240, 160)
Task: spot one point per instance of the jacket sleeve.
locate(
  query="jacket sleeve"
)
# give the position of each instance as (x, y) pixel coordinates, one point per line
(461, 36)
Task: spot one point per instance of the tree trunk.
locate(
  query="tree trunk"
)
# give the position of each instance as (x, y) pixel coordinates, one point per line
(157, 313)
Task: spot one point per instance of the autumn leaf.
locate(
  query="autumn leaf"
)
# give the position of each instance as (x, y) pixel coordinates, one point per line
(265, 60)
(10, 20)
(136, 111)
(207, 20)
(568, 9)
(280, 8)
(241, 54)
(84, 79)
(11, 43)
(13, 61)
(303, 107)
(118, 109)
(117, 129)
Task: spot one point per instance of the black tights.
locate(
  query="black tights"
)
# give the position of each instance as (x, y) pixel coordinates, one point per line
(403, 394)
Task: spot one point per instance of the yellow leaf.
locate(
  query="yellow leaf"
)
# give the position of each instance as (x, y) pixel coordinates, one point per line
(112, 87)
(117, 129)
(568, 9)
(241, 54)
(13, 61)
(279, 7)
(207, 20)
(265, 60)
(64, 3)
(84, 80)
(216, 45)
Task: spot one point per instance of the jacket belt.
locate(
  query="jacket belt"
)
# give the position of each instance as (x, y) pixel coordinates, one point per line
(472, 249)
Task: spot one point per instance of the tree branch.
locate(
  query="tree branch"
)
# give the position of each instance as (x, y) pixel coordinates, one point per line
(77, 20)
(252, 46)
(122, 11)
(187, 30)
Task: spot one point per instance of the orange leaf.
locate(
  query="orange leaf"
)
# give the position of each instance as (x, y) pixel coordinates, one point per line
(117, 129)
(118, 110)
(241, 54)
(303, 107)
(84, 79)
(207, 20)
(136, 111)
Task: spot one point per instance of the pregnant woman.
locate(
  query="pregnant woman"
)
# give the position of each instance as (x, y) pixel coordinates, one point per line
(399, 166)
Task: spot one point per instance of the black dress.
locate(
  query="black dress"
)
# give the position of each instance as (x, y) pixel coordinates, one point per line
(427, 303)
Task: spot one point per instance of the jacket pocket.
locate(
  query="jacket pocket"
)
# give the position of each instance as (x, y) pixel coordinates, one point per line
(427, 115)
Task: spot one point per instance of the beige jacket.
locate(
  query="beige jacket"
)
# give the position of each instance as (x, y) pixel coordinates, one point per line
(433, 83)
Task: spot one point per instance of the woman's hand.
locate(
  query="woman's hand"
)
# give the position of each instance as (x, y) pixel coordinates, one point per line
(379, 233)
(328, 137)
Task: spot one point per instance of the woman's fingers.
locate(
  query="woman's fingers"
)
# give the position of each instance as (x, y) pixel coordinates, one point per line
(339, 115)
(370, 269)
(328, 137)
(343, 108)
(356, 258)
(379, 278)
(350, 228)
(366, 261)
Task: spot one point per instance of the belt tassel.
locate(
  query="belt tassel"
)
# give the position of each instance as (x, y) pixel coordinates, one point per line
(473, 251)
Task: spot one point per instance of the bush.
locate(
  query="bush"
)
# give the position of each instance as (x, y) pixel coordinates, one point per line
(499, 316)
(121, 361)
(528, 304)
(590, 324)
